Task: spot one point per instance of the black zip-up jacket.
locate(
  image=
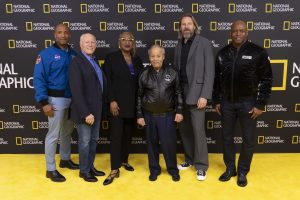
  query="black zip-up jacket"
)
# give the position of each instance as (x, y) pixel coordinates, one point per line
(241, 73)
(159, 92)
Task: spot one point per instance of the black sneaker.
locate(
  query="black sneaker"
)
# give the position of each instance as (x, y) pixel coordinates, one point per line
(201, 175)
(184, 166)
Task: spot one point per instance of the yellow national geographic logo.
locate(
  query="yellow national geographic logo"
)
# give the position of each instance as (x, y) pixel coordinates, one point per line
(121, 8)
(9, 8)
(265, 109)
(46, 8)
(83, 8)
(210, 124)
(16, 109)
(267, 43)
(157, 42)
(28, 26)
(195, 8)
(139, 26)
(35, 125)
(213, 26)
(67, 24)
(157, 8)
(297, 107)
(250, 25)
(1, 125)
(279, 123)
(231, 7)
(104, 125)
(229, 41)
(295, 139)
(19, 141)
(48, 43)
(176, 26)
(261, 140)
(102, 26)
(286, 25)
(284, 73)
(268, 8)
(100, 62)
(11, 44)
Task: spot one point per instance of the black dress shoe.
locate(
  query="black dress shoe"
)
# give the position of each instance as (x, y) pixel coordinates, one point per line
(175, 177)
(88, 177)
(111, 177)
(95, 172)
(55, 176)
(242, 180)
(226, 176)
(68, 164)
(153, 177)
(127, 167)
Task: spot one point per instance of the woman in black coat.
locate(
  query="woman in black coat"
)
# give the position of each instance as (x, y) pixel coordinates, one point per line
(122, 69)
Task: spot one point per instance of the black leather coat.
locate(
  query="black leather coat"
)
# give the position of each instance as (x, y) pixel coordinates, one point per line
(243, 73)
(159, 92)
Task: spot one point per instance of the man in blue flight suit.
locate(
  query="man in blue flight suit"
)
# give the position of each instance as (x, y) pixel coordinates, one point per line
(53, 93)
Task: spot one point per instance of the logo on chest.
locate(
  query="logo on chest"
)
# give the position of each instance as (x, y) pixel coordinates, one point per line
(168, 78)
(57, 57)
(247, 57)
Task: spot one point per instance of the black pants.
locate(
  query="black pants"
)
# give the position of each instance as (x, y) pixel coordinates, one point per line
(230, 113)
(161, 129)
(120, 139)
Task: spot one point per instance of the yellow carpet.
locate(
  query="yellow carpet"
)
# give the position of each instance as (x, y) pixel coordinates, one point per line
(272, 176)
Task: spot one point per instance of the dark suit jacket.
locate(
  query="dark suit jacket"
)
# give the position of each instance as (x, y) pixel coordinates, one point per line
(87, 95)
(122, 86)
(200, 69)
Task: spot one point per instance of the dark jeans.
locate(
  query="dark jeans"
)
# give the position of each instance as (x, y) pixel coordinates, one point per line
(230, 113)
(120, 139)
(161, 128)
(88, 137)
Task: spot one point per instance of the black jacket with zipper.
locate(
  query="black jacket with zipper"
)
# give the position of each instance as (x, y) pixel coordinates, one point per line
(159, 92)
(243, 72)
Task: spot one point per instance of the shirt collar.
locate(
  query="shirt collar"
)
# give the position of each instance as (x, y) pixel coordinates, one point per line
(88, 57)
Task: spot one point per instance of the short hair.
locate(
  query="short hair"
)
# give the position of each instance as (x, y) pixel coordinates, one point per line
(197, 30)
(156, 46)
(133, 51)
(61, 24)
(83, 35)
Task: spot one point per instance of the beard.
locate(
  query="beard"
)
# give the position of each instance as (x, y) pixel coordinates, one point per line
(187, 34)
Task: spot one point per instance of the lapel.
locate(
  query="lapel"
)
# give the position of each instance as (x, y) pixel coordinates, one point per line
(89, 66)
(193, 48)
(124, 65)
(179, 53)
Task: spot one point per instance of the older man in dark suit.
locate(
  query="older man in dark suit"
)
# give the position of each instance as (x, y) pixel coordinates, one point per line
(195, 63)
(87, 82)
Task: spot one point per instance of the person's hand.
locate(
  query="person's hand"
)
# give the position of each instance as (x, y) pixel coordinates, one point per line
(141, 122)
(48, 110)
(178, 118)
(201, 103)
(90, 119)
(218, 109)
(114, 108)
(255, 112)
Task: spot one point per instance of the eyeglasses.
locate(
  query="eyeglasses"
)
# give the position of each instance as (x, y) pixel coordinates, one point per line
(126, 39)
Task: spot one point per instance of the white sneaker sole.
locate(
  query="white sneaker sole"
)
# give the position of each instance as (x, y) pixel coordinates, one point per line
(182, 168)
(201, 178)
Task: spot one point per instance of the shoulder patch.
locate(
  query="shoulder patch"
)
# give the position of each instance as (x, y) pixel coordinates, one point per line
(38, 59)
